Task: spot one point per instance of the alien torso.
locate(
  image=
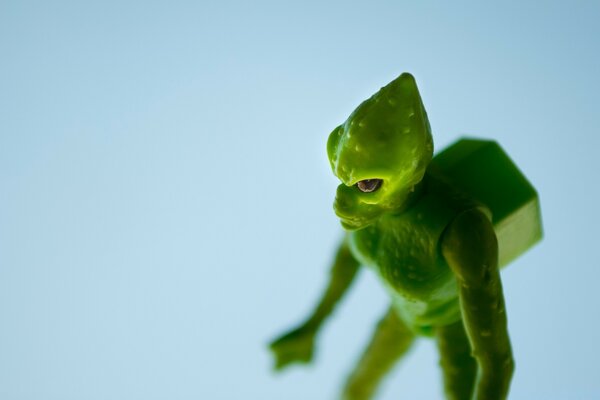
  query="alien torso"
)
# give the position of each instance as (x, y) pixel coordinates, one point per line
(404, 251)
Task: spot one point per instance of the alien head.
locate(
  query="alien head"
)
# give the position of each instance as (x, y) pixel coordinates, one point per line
(380, 153)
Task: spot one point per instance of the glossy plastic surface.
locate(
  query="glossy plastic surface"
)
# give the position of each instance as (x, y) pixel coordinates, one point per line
(435, 233)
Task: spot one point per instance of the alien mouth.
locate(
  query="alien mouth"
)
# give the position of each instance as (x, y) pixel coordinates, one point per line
(347, 218)
(350, 223)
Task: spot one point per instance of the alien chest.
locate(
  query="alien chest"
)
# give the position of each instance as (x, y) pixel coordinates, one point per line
(405, 255)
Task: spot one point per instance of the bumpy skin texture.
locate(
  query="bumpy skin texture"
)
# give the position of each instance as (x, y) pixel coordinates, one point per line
(435, 252)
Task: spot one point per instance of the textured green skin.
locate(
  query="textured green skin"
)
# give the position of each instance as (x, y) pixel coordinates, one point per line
(436, 253)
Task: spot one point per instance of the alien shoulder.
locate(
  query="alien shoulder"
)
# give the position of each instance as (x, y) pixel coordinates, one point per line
(470, 247)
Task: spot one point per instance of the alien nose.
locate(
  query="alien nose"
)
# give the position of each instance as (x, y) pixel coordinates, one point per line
(344, 203)
(339, 208)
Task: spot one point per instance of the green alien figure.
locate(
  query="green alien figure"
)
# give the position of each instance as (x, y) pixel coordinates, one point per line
(436, 231)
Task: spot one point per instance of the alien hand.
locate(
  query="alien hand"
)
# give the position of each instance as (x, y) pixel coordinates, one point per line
(295, 346)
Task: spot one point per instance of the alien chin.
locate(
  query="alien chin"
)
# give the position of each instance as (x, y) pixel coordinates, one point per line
(354, 223)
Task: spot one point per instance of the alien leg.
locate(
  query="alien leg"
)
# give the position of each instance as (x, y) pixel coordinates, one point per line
(390, 341)
(458, 365)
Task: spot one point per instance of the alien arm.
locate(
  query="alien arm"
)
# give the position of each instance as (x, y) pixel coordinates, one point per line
(471, 249)
(297, 345)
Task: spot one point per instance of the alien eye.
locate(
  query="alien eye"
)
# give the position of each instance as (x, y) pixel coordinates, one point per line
(369, 185)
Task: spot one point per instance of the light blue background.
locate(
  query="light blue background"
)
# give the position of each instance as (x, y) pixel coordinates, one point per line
(165, 198)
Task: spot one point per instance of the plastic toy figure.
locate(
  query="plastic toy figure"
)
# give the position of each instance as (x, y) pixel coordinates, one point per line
(436, 231)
